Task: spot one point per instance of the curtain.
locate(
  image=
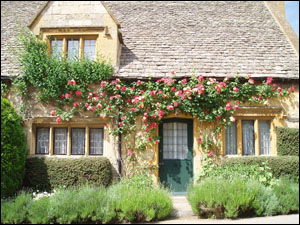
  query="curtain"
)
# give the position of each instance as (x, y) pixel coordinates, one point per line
(78, 141)
(230, 140)
(42, 143)
(264, 137)
(248, 137)
(96, 141)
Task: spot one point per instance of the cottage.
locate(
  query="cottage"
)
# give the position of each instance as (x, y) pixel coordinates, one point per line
(155, 40)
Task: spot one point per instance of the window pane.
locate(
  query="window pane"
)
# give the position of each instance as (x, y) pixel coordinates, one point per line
(96, 141)
(73, 49)
(248, 137)
(175, 146)
(90, 49)
(42, 140)
(231, 146)
(78, 141)
(264, 137)
(56, 48)
(60, 141)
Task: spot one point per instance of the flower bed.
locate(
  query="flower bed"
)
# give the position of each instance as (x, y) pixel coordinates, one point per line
(134, 200)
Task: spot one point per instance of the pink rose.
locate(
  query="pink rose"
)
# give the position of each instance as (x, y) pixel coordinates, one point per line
(58, 119)
(138, 82)
(78, 93)
(170, 107)
(124, 88)
(199, 140)
(118, 87)
(157, 142)
(251, 81)
(210, 154)
(232, 119)
(235, 89)
(75, 104)
(175, 104)
(184, 81)
(269, 80)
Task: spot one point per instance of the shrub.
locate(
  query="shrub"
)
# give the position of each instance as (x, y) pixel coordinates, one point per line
(14, 210)
(288, 196)
(46, 174)
(13, 150)
(287, 166)
(219, 198)
(261, 173)
(131, 200)
(287, 141)
(138, 199)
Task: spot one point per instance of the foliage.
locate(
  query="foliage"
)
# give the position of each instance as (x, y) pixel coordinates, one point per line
(138, 199)
(287, 166)
(13, 211)
(221, 198)
(46, 174)
(82, 85)
(4, 88)
(130, 200)
(288, 196)
(13, 150)
(287, 141)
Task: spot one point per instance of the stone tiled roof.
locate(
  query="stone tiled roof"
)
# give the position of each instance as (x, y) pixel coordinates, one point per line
(215, 38)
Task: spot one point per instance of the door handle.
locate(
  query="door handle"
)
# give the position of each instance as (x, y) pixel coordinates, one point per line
(161, 164)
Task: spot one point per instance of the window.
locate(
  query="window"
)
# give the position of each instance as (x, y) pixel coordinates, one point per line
(248, 137)
(231, 148)
(69, 140)
(74, 47)
(90, 49)
(78, 141)
(264, 137)
(42, 141)
(60, 141)
(96, 141)
(56, 48)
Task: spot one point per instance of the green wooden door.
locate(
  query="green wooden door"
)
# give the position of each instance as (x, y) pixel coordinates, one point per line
(176, 154)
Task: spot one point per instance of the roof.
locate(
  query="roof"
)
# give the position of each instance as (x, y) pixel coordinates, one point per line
(216, 38)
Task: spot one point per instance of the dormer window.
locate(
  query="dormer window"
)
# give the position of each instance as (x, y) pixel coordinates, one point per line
(73, 47)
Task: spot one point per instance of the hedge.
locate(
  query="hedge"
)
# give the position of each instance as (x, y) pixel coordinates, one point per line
(287, 141)
(13, 150)
(280, 165)
(49, 173)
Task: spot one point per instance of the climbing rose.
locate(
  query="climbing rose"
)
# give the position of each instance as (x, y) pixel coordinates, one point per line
(58, 119)
(210, 154)
(157, 142)
(175, 104)
(118, 87)
(78, 93)
(228, 107)
(232, 119)
(199, 140)
(103, 83)
(52, 113)
(184, 81)
(67, 95)
(120, 124)
(124, 88)
(269, 80)
(218, 116)
(251, 81)
(170, 107)
(71, 82)
(235, 107)
(235, 89)
(62, 96)
(123, 117)
(138, 82)
(75, 104)
(150, 165)
(90, 87)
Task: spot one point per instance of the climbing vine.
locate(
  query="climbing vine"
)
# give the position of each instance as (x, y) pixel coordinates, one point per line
(82, 85)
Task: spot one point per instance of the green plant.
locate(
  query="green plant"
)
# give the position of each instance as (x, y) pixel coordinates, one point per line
(221, 198)
(287, 166)
(46, 174)
(38, 211)
(287, 141)
(288, 196)
(140, 200)
(3, 88)
(13, 150)
(13, 211)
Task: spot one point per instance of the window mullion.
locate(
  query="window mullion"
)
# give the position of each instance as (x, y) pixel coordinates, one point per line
(69, 141)
(81, 48)
(64, 48)
(87, 141)
(239, 138)
(51, 141)
(256, 138)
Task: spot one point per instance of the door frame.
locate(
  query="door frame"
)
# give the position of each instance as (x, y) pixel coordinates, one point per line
(190, 123)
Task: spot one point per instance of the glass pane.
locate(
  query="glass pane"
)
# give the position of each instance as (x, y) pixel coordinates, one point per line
(96, 141)
(264, 137)
(248, 137)
(78, 141)
(60, 141)
(73, 49)
(90, 49)
(175, 144)
(230, 140)
(42, 140)
(56, 48)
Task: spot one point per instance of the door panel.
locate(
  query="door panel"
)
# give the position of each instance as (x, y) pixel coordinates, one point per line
(176, 154)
